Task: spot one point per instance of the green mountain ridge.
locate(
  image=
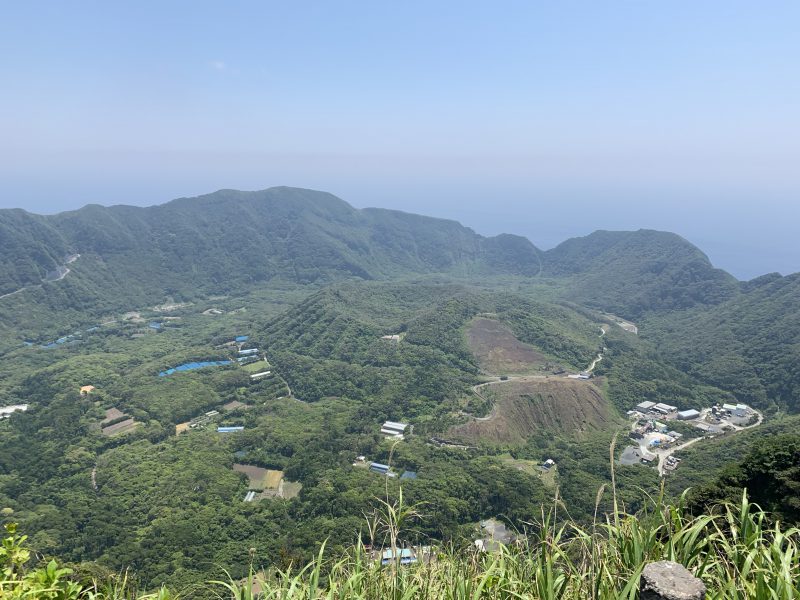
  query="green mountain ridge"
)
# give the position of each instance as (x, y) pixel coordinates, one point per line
(637, 272)
(231, 240)
(749, 344)
(738, 336)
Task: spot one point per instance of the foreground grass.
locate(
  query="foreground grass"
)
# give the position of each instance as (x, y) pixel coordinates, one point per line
(734, 550)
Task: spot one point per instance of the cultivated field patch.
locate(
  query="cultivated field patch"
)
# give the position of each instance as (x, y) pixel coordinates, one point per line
(255, 474)
(269, 482)
(272, 479)
(256, 366)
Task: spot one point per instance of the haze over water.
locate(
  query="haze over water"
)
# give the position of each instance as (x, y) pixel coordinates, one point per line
(529, 118)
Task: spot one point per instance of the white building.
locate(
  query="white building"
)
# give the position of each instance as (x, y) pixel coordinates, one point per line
(645, 406)
(393, 429)
(688, 415)
(6, 411)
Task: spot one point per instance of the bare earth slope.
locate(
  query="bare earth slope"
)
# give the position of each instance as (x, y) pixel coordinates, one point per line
(525, 406)
(498, 351)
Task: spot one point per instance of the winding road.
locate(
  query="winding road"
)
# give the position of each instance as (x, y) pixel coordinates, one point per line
(495, 380)
(63, 271)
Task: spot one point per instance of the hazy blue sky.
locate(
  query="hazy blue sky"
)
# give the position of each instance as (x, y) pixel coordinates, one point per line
(547, 119)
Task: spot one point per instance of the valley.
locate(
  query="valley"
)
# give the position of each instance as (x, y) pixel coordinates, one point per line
(238, 375)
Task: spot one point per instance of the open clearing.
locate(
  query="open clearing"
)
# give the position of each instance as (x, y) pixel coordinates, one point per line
(269, 482)
(499, 351)
(531, 467)
(525, 406)
(256, 366)
(256, 475)
(260, 478)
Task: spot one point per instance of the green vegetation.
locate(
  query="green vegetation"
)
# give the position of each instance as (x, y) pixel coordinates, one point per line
(749, 346)
(733, 550)
(318, 286)
(633, 273)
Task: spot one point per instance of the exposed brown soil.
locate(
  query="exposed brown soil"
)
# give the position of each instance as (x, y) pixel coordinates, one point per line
(498, 350)
(526, 406)
(254, 474)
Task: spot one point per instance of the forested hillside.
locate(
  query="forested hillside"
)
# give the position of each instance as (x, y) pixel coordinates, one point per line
(222, 241)
(749, 345)
(637, 272)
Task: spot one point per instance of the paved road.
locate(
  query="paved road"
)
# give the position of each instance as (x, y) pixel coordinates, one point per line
(664, 454)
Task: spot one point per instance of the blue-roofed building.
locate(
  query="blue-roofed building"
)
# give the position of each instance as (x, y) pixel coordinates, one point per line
(379, 468)
(406, 556)
(229, 429)
(241, 338)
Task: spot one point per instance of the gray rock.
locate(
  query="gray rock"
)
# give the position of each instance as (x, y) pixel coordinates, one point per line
(667, 580)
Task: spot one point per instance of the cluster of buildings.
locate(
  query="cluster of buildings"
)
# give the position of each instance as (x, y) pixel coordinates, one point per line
(247, 355)
(657, 433)
(707, 420)
(651, 431)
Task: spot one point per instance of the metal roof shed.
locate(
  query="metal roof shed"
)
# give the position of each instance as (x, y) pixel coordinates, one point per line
(687, 415)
